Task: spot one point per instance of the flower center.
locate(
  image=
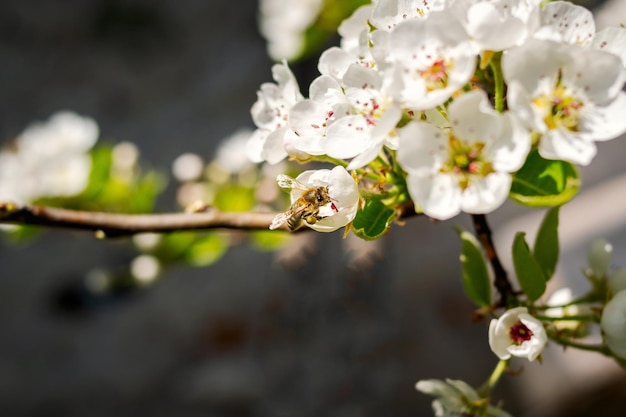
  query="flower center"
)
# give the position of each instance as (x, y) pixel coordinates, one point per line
(371, 109)
(466, 161)
(519, 333)
(436, 75)
(561, 108)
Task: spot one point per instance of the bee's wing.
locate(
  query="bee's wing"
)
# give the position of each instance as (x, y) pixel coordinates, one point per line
(280, 219)
(288, 183)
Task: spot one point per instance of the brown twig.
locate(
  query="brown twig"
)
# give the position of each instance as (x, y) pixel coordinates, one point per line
(113, 225)
(116, 225)
(501, 280)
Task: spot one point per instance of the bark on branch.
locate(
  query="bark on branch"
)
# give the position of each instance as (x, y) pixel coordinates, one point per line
(114, 225)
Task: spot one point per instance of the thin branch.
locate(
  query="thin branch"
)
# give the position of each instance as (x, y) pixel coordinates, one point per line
(114, 225)
(501, 280)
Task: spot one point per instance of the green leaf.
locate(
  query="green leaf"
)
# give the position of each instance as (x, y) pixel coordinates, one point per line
(476, 280)
(546, 248)
(544, 183)
(331, 14)
(234, 198)
(372, 221)
(269, 239)
(207, 249)
(529, 274)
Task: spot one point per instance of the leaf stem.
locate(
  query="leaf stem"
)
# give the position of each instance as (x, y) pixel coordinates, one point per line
(582, 346)
(587, 317)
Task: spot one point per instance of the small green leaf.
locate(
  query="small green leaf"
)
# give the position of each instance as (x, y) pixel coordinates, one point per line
(207, 250)
(372, 221)
(529, 274)
(325, 26)
(544, 183)
(269, 239)
(476, 280)
(546, 248)
(234, 198)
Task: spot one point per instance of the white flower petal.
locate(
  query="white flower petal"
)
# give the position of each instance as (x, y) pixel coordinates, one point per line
(561, 144)
(437, 195)
(484, 195)
(613, 40)
(572, 23)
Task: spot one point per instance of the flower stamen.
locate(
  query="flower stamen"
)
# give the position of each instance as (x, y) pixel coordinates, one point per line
(519, 333)
(466, 161)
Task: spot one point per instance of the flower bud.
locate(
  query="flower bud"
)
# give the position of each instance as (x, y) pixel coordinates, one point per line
(599, 257)
(613, 324)
(617, 280)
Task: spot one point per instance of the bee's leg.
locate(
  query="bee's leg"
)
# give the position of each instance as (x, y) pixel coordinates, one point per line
(311, 219)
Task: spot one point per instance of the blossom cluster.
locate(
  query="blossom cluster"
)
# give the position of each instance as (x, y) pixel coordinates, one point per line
(48, 159)
(458, 92)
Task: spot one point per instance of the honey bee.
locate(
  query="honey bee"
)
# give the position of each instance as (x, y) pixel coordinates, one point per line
(306, 207)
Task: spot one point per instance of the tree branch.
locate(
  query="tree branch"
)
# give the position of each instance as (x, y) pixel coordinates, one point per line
(117, 225)
(501, 280)
(114, 225)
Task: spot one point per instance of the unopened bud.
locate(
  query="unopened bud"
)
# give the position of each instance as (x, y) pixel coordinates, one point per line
(599, 257)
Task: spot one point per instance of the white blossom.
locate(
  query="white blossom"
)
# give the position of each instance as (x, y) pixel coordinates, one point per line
(187, 167)
(310, 118)
(428, 60)
(283, 23)
(572, 104)
(457, 398)
(50, 159)
(271, 141)
(342, 190)
(229, 156)
(371, 124)
(517, 333)
(466, 168)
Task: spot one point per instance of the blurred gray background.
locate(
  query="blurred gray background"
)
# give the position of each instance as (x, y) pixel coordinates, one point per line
(247, 337)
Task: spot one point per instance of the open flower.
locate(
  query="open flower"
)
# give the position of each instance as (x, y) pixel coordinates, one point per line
(456, 398)
(271, 141)
(429, 60)
(324, 200)
(468, 167)
(571, 104)
(517, 333)
(49, 159)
